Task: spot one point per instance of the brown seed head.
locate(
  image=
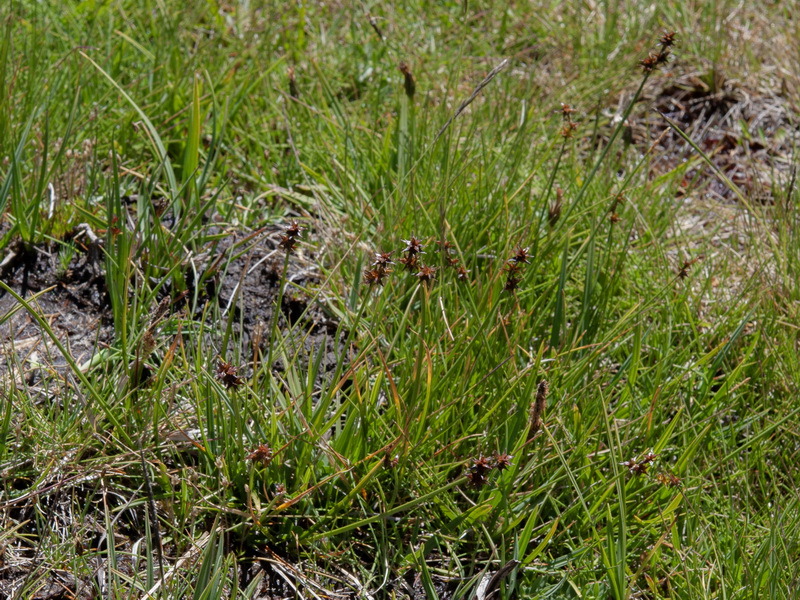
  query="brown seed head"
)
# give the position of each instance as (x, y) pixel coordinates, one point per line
(667, 40)
(226, 373)
(502, 461)
(383, 259)
(567, 111)
(687, 264)
(426, 273)
(669, 479)
(512, 283)
(650, 63)
(568, 130)
(413, 247)
(476, 479)
(445, 246)
(521, 255)
(288, 243)
(408, 80)
(148, 343)
(641, 465)
(262, 454)
(293, 230)
(375, 276)
(463, 274)
(410, 263)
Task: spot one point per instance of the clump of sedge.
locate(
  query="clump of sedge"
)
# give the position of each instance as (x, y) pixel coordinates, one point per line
(227, 374)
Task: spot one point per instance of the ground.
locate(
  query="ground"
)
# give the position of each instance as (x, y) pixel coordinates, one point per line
(420, 300)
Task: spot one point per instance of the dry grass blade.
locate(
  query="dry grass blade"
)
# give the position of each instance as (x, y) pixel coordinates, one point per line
(462, 107)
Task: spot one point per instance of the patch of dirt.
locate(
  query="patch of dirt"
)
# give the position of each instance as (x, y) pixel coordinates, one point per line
(73, 301)
(236, 283)
(747, 132)
(246, 290)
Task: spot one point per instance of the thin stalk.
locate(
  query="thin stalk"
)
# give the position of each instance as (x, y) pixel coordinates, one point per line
(596, 167)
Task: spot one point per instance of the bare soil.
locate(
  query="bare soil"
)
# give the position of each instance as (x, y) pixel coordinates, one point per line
(747, 131)
(242, 286)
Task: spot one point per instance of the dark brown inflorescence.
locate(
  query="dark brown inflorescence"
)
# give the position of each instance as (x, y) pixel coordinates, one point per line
(290, 237)
(502, 461)
(227, 374)
(639, 466)
(375, 276)
(570, 126)
(380, 268)
(478, 471)
(683, 273)
(513, 268)
(426, 273)
(262, 454)
(537, 410)
(408, 82)
(656, 59)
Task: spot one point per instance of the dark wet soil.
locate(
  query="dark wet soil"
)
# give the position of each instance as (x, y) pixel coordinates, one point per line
(229, 282)
(73, 301)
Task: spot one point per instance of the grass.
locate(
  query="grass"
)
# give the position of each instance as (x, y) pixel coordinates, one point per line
(602, 395)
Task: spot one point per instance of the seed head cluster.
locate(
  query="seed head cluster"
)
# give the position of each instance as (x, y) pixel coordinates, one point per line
(639, 466)
(478, 471)
(570, 125)
(227, 374)
(290, 237)
(656, 59)
(261, 454)
(513, 268)
(411, 261)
